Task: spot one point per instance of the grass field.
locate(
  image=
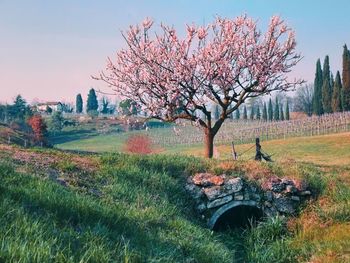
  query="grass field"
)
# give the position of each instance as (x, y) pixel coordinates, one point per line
(63, 207)
(325, 149)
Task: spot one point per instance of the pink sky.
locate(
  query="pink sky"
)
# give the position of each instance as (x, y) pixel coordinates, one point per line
(49, 50)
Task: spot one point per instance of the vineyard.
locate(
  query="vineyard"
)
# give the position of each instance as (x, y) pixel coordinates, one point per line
(245, 131)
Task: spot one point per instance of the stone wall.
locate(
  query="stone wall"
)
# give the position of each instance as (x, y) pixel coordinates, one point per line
(216, 194)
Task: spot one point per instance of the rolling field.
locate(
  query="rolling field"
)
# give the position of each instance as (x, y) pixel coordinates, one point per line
(64, 207)
(324, 149)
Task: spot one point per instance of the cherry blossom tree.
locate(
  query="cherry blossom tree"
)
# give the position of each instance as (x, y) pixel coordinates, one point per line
(225, 62)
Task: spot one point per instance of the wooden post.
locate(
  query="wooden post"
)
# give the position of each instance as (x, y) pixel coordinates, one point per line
(258, 150)
(234, 153)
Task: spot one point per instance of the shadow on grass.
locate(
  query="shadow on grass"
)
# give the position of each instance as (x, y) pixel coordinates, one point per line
(68, 136)
(156, 238)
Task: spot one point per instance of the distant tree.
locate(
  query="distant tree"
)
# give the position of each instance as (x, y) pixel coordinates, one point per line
(245, 113)
(231, 115)
(238, 114)
(216, 112)
(105, 104)
(336, 96)
(66, 107)
(92, 104)
(252, 112)
(281, 112)
(79, 104)
(326, 87)
(128, 107)
(303, 100)
(317, 97)
(264, 113)
(18, 111)
(48, 110)
(277, 110)
(270, 110)
(57, 121)
(287, 111)
(258, 114)
(39, 128)
(346, 79)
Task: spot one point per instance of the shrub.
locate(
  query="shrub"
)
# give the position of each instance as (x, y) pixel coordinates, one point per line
(39, 128)
(140, 144)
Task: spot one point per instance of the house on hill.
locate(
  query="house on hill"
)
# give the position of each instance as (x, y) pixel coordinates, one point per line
(54, 106)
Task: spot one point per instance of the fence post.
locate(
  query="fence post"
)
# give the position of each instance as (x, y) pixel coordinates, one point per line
(257, 149)
(234, 153)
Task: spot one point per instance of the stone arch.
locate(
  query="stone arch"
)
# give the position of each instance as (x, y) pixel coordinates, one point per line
(231, 205)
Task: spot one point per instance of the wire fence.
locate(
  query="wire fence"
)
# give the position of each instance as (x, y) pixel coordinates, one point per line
(245, 131)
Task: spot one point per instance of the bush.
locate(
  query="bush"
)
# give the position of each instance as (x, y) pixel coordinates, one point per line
(140, 144)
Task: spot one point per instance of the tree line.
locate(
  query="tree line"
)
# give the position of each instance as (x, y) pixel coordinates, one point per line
(269, 111)
(331, 94)
(93, 108)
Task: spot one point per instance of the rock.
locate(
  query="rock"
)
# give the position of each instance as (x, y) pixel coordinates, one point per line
(291, 189)
(271, 211)
(287, 181)
(207, 179)
(220, 201)
(234, 184)
(300, 185)
(201, 207)
(256, 197)
(195, 191)
(239, 196)
(213, 192)
(267, 204)
(284, 205)
(304, 193)
(295, 198)
(278, 187)
(268, 196)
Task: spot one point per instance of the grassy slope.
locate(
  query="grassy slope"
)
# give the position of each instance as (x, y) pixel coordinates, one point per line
(134, 209)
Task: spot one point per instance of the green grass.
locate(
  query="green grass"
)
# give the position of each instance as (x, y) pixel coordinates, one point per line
(143, 215)
(135, 209)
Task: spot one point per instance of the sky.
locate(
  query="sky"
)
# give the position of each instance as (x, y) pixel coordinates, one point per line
(50, 49)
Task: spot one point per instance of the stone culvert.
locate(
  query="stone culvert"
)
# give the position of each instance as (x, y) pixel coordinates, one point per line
(227, 200)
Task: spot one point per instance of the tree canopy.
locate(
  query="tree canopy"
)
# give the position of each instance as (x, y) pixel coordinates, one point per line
(225, 62)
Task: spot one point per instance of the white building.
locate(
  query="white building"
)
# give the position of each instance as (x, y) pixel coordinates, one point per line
(55, 106)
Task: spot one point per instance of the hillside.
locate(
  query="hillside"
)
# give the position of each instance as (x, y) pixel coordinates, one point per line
(64, 207)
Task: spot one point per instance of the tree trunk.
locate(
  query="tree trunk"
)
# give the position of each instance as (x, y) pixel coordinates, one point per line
(209, 143)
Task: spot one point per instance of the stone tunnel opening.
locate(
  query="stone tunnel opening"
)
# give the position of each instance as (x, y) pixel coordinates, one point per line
(241, 216)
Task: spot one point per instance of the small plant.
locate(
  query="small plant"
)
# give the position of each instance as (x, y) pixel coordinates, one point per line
(140, 144)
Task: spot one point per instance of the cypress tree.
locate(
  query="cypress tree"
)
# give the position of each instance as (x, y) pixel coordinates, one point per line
(277, 110)
(281, 113)
(92, 104)
(238, 114)
(317, 98)
(264, 114)
(270, 110)
(216, 112)
(287, 111)
(346, 79)
(258, 114)
(231, 115)
(326, 87)
(336, 96)
(252, 113)
(79, 104)
(245, 114)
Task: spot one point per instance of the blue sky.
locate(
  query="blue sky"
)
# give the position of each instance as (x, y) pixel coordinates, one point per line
(49, 49)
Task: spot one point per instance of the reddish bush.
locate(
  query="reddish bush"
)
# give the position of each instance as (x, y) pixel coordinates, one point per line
(140, 144)
(39, 128)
